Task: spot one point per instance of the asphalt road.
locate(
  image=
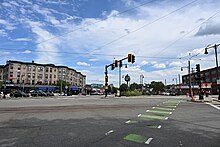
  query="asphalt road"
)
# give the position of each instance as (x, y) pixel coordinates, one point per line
(112, 122)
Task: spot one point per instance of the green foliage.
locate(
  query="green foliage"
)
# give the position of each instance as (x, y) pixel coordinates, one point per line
(64, 83)
(131, 93)
(157, 86)
(135, 86)
(1, 84)
(146, 93)
(123, 87)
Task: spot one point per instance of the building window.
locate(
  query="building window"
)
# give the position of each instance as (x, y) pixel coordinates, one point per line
(33, 75)
(54, 76)
(18, 74)
(47, 69)
(40, 69)
(33, 82)
(11, 74)
(19, 67)
(51, 69)
(24, 67)
(33, 68)
(46, 76)
(214, 72)
(29, 75)
(206, 74)
(50, 76)
(29, 68)
(55, 69)
(11, 67)
(213, 79)
(39, 76)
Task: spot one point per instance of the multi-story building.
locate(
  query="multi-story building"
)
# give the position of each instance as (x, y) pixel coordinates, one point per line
(31, 73)
(208, 80)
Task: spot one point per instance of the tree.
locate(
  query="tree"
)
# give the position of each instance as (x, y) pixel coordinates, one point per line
(135, 86)
(123, 87)
(157, 86)
(64, 83)
(1, 84)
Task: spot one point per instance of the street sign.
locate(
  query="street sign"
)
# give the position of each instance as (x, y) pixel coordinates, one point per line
(66, 87)
(127, 78)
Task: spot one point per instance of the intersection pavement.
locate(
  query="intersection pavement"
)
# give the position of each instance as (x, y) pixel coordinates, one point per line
(115, 122)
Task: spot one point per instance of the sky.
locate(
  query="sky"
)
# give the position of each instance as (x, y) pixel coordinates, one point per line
(88, 34)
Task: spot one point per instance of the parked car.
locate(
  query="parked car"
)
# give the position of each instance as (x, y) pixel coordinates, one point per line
(37, 93)
(18, 94)
(49, 93)
(173, 93)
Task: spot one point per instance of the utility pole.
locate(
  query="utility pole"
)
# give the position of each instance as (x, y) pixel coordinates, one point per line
(190, 84)
(216, 60)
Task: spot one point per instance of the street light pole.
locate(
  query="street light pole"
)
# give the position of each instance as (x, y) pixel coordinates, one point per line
(216, 60)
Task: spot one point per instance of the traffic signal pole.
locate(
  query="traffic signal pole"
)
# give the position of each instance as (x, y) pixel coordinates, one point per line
(130, 57)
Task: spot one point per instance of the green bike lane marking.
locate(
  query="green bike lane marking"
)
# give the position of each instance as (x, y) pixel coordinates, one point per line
(162, 108)
(138, 138)
(160, 112)
(153, 117)
(154, 126)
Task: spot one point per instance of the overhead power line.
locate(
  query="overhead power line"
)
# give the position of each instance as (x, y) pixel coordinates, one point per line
(177, 40)
(95, 54)
(145, 25)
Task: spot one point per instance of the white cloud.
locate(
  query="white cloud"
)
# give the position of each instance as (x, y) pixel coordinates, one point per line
(82, 64)
(51, 46)
(8, 26)
(22, 39)
(161, 65)
(143, 63)
(93, 59)
(177, 64)
(26, 52)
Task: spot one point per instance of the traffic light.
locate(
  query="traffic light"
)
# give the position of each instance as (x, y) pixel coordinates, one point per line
(116, 63)
(112, 67)
(129, 58)
(120, 64)
(133, 59)
(106, 79)
(197, 67)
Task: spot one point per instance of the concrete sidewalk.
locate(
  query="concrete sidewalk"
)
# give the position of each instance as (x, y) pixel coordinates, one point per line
(210, 98)
(215, 98)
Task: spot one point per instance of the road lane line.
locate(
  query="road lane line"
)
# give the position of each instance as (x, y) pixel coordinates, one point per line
(131, 122)
(159, 126)
(149, 140)
(109, 132)
(213, 106)
(127, 122)
(139, 115)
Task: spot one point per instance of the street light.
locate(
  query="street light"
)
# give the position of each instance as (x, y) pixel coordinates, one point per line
(216, 60)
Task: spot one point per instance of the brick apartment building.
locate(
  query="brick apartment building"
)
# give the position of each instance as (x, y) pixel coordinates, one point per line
(208, 82)
(31, 74)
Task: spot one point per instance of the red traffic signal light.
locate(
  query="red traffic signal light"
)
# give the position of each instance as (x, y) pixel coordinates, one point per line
(116, 63)
(129, 57)
(106, 79)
